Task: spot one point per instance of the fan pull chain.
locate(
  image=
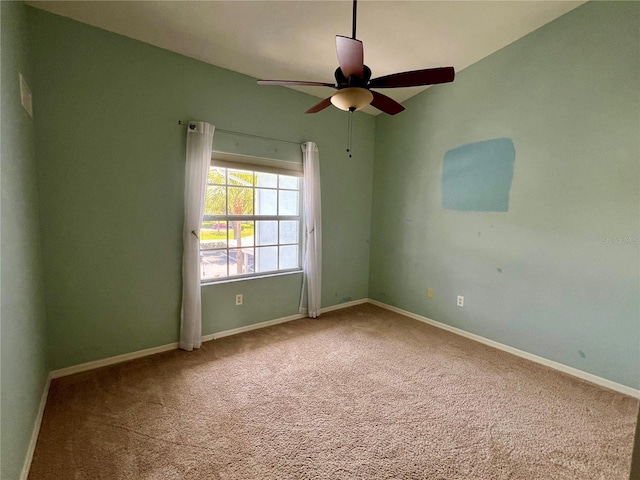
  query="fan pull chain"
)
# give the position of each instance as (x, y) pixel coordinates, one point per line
(350, 132)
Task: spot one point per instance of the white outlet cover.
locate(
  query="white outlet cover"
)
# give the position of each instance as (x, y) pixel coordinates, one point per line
(25, 96)
(460, 301)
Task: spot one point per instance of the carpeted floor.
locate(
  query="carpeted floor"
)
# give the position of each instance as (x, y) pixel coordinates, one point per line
(360, 393)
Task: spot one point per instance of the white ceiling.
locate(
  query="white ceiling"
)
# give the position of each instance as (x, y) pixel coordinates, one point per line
(295, 40)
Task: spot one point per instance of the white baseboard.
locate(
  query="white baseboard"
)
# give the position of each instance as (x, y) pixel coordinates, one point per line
(248, 328)
(83, 367)
(603, 382)
(276, 321)
(340, 306)
(36, 431)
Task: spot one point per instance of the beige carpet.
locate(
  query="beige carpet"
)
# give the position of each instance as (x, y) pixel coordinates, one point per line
(360, 393)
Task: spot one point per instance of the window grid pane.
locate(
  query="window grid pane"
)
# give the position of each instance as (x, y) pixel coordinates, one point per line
(217, 176)
(239, 200)
(289, 257)
(269, 180)
(288, 202)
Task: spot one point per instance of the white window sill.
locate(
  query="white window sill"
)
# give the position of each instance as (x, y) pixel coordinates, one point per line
(206, 283)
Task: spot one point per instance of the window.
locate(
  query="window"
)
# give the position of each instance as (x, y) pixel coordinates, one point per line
(252, 218)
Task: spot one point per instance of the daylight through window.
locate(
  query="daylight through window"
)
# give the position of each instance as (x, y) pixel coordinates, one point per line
(252, 222)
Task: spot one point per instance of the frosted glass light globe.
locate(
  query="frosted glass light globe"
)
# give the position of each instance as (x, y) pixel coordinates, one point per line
(352, 98)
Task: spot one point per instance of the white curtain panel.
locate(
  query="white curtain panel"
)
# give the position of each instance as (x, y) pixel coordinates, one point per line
(199, 142)
(312, 263)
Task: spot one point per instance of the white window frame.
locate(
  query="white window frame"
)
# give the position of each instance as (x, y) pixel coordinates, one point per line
(261, 165)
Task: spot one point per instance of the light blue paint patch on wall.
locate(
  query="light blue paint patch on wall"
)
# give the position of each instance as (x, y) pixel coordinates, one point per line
(477, 176)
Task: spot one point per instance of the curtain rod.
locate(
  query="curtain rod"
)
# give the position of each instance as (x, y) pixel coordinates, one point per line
(182, 122)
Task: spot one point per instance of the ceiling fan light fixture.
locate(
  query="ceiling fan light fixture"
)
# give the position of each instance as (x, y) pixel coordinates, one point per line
(352, 98)
(353, 79)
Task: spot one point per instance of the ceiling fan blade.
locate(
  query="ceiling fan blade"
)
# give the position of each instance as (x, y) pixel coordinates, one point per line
(415, 78)
(295, 82)
(320, 106)
(350, 56)
(386, 104)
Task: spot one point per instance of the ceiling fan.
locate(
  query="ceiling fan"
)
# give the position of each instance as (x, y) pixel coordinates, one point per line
(354, 83)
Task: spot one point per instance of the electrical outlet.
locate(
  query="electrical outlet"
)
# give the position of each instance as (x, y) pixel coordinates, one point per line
(460, 301)
(430, 292)
(239, 299)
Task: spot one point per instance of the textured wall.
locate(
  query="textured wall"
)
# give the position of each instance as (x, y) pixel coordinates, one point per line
(111, 178)
(23, 358)
(556, 275)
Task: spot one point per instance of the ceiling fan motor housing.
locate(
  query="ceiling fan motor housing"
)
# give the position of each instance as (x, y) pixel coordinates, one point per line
(353, 80)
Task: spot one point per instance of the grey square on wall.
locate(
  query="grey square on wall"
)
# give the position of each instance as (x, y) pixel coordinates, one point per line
(477, 176)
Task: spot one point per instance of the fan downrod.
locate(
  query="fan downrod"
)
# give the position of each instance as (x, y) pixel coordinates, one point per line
(353, 23)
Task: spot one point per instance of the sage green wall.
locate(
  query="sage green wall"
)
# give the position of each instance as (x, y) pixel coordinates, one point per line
(542, 276)
(111, 175)
(23, 348)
